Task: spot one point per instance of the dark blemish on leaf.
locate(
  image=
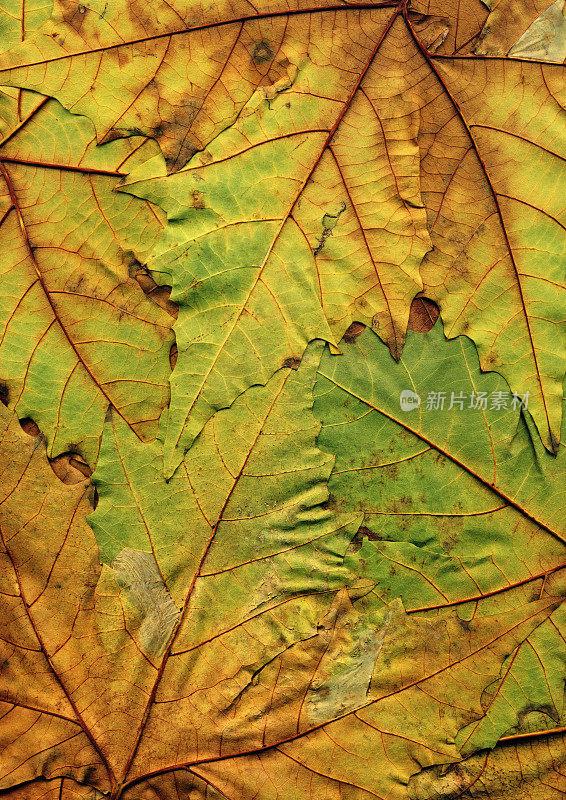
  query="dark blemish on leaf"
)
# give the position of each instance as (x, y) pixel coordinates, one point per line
(333, 504)
(291, 363)
(173, 353)
(70, 468)
(4, 394)
(175, 140)
(262, 52)
(373, 537)
(29, 426)
(132, 263)
(160, 295)
(92, 495)
(288, 105)
(353, 332)
(112, 134)
(197, 199)
(73, 15)
(423, 315)
(328, 224)
(357, 541)
(375, 321)
(391, 472)
(74, 286)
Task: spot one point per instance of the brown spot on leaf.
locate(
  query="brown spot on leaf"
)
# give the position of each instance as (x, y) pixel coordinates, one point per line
(391, 472)
(198, 199)
(93, 496)
(353, 332)
(423, 315)
(29, 426)
(173, 353)
(159, 294)
(291, 363)
(262, 52)
(73, 14)
(373, 537)
(70, 468)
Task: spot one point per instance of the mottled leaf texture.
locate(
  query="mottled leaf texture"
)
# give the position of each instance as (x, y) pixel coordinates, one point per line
(248, 215)
(451, 510)
(77, 331)
(257, 541)
(534, 29)
(334, 155)
(235, 639)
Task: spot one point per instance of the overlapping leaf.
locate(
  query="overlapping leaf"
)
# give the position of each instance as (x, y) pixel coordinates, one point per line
(520, 770)
(246, 223)
(451, 495)
(533, 29)
(232, 629)
(225, 632)
(322, 115)
(490, 176)
(103, 653)
(482, 443)
(496, 255)
(178, 71)
(77, 331)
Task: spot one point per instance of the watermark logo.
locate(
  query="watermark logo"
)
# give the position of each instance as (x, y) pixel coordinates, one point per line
(479, 401)
(409, 400)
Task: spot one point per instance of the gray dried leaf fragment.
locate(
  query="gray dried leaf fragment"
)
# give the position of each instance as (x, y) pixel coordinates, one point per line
(545, 39)
(138, 575)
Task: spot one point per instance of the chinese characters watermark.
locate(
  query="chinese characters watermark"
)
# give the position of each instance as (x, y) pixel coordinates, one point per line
(479, 401)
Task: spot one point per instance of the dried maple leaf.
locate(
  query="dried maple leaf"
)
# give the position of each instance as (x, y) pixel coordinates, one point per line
(461, 428)
(179, 71)
(463, 145)
(521, 769)
(77, 332)
(225, 647)
(230, 629)
(494, 263)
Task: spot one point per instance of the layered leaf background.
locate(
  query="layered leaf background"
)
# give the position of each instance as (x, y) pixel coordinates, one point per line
(233, 566)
